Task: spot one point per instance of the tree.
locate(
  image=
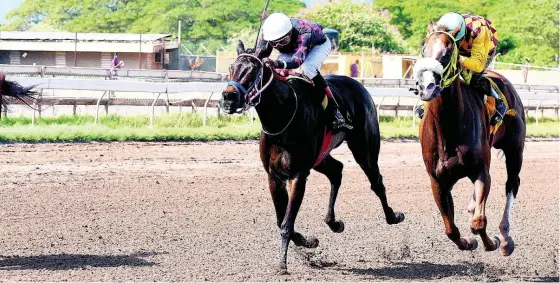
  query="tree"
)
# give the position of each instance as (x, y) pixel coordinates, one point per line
(535, 27)
(209, 22)
(360, 26)
(412, 17)
(527, 29)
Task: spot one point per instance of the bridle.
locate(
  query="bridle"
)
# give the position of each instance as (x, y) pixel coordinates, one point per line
(254, 92)
(451, 71)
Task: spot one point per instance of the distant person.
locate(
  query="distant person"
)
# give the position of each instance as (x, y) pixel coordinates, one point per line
(354, 69)
(117, 64)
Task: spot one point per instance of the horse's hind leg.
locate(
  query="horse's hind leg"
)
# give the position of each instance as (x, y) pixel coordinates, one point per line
(365, 150)
(332, 168)
(514, 159)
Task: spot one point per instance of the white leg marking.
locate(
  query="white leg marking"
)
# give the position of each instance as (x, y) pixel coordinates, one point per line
(504, 225)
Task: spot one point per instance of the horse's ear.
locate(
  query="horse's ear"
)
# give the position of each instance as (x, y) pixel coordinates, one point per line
(431, 27)
(240, 47)
(455, 31)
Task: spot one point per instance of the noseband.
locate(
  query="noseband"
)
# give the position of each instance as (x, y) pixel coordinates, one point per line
(253, 92)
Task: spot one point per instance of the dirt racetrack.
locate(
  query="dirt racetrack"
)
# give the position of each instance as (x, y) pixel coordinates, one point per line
(202, 211)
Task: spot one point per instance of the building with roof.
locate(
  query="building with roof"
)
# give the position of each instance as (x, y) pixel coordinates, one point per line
(138, 51)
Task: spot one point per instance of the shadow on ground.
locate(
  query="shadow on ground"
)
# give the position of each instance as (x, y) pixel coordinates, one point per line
(73, 261)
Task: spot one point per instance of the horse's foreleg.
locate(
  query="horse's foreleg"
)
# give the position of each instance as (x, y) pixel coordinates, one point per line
(287, 233)
(479, 221)
(332, 168)
(470, 208)
(444, 201)
(279, 197)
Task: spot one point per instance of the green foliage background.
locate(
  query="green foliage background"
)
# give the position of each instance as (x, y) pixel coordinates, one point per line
(526, 29)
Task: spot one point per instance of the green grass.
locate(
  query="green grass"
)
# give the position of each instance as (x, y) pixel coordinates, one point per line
(186, 127)
(547, 128)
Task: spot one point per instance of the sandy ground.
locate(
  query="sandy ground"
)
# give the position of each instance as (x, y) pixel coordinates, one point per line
(202, 211)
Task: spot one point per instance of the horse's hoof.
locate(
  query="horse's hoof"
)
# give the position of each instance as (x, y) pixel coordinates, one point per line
(282, 271)
(338, 226)
(470, 244)
(311, 242)
(494, 246)
(507, 246)
(399, 217)
(300, 241)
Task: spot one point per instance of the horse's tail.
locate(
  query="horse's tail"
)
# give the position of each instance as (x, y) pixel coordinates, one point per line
(16, 91)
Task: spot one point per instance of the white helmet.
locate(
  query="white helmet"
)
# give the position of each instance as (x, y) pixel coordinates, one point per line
(452, 21)
(276, 26)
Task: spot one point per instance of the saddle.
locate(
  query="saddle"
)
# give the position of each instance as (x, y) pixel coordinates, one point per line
(327, 144)
(286, 75)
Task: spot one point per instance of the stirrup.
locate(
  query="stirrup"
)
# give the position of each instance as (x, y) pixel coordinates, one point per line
(496, 118)
(420, 112)
(339, 121)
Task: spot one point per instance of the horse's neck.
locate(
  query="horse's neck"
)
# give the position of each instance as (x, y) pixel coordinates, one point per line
(458, 112)
(276, 107)
(448, 110)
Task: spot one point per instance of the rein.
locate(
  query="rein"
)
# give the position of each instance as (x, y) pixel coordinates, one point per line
(451, 71)
(253, 92)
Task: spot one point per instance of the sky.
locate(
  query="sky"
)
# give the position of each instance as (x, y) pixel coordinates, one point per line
(7, 5)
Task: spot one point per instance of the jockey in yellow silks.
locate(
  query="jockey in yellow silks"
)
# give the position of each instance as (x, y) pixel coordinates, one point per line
(477, 40)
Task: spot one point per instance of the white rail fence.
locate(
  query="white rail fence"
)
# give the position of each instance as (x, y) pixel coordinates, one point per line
(379, 88)
(109, 73)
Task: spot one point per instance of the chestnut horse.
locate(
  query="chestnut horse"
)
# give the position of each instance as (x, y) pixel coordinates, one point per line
(293, 131)
(456, 139)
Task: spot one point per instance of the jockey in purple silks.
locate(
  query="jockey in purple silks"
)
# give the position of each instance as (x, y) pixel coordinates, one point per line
(301, 43)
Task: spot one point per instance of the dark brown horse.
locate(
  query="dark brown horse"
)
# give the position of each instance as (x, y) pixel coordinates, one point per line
(12, 90)
(291, 142)
(456, 140)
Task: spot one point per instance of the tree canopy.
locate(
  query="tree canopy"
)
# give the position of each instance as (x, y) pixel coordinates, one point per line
(206, 24)
(526, 29)
(360, 26)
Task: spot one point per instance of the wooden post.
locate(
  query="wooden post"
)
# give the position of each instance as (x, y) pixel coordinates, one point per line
(179, 57)
(76, 50)
(362, 64)
(140, 54)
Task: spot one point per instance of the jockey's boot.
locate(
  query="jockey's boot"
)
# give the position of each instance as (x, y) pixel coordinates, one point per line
(484, 84)
(335, 121)
(500, 108)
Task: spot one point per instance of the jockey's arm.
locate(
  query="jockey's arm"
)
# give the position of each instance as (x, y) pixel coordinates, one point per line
(297, 58)
(479, 52)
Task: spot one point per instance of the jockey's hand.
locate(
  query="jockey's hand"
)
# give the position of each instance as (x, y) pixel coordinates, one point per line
(272, 63)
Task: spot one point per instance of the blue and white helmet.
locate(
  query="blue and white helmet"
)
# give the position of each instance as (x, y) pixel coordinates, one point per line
(451, 21)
